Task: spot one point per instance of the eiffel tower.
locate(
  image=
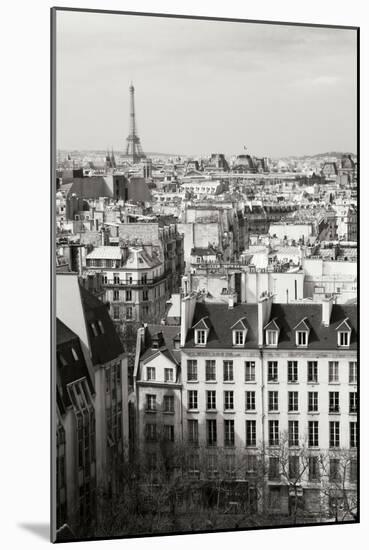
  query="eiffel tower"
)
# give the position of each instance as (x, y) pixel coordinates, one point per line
(133, 149)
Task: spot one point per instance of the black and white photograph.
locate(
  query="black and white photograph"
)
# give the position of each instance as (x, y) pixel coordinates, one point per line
(205, 182)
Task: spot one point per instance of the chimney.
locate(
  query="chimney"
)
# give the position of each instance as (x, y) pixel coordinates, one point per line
(327, 305)
(232, 300)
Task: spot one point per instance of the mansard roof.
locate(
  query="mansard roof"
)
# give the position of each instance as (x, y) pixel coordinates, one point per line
(220, 320)
(169, 336)
(289, 316)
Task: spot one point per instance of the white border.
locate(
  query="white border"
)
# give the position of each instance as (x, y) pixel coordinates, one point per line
(25, 232)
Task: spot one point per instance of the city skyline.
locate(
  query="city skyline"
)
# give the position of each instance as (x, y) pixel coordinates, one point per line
(207, 85)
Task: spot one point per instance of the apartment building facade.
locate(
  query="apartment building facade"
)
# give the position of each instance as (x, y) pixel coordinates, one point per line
(269, 398)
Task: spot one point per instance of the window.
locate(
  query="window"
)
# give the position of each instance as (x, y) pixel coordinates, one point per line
(314, 473)
(334, 434)
(129, 278)
(229, 433)
(334, 469)
(352, 372)
(312, 401)
(230, 464)
(169, 403)
(193, 466)
(150, 373)
(101, 327)
(74, 354)
(293, 433)
(313, 433)
(343, 339)
(129, 312)
(272, 401)
(193, 431)
(211, 400)
(238, 337)
(251, 463)
(144, 278)
(200, 337)
(334, 402)
(353, 402)
(145, 295)
(353, 434)
(228, 371)
(250, 433)
(312, 376)
(301, 338)
(150, 402)
(292, 371)
(168, 432)
(250, 401)
(274, 473)
(293, 401)
(250, 371)
(272, 371)
(293, 467)
(115, 312)
(115, 295)
(273, 432)
(228, 401)
(271, 338)
(116, 279)
(210, 372)
(211, 433)
(128, 295)
(168, 375)
(94, 329)
(192, 399)
(353, 470)
(191, 370)
(333, 372)
(151, 432)
(212, 464)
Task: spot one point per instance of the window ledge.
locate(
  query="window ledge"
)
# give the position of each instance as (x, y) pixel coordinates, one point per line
(211, 382)
(251, 411)
(192, 411)
(168, 412)
(211, 411)
(150, 411)
(229, 411)
(192, 381)
(228, 381)
(293, 412)
(250, 382)
(273, 382)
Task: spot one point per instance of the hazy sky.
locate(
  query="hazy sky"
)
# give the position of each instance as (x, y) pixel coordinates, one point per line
(204, 86)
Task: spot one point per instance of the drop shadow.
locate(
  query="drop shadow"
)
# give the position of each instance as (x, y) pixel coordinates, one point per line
(42, 530)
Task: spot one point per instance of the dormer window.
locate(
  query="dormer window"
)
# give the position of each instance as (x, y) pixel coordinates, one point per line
(271, 337)
(200, 337)
(239, 332)
(344, 334)
(344, 339)
(301, 338)
(238, 337)
(302, 331)
(271, 333)
(201, 329)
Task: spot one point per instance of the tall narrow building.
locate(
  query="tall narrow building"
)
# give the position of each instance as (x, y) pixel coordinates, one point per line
(133, 149)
